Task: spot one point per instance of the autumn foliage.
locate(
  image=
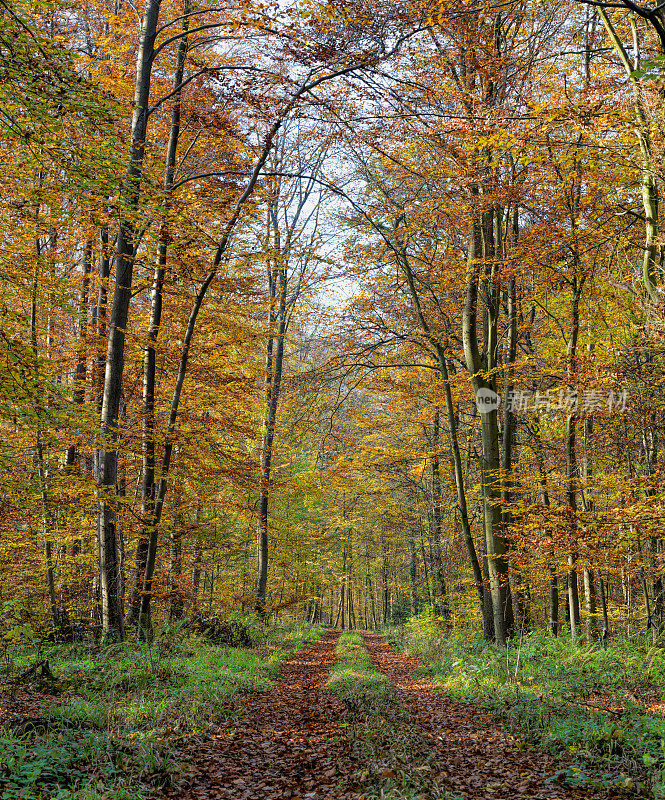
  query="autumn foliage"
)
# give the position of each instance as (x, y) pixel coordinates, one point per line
(260, 266)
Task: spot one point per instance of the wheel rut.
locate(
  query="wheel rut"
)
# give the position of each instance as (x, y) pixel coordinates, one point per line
(289, 743)
(476, 757)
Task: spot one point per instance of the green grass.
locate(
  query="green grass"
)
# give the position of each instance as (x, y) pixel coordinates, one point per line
(544, 685)
(125, 705)
(358, 685)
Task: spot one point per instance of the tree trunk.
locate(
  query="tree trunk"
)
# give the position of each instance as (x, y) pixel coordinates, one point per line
(440, 598)
(589, 506)
(279, 249)
(652, 259)
(413, 575)
(275, 361)
(343, 589)
(572, 480)
(497, 546)
(78, 389)
(112, 619)
(39, 445)
(99, 318)
(518, 595)
(196, 572)
(590, 605)
(177, 604)
(144, 616)
(154, 324)
(603, 604)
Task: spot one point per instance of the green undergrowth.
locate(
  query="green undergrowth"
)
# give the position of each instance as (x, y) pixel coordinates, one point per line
(115, 713)
(358, 685)
(574, 700)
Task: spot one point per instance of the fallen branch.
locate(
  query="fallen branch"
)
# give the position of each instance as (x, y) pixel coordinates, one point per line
(39, 669)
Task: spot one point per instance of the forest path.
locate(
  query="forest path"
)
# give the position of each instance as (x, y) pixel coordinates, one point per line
(289, 744)
(296, 741)
(472, 753)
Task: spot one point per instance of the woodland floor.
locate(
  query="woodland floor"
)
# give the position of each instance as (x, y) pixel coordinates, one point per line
(297, 741)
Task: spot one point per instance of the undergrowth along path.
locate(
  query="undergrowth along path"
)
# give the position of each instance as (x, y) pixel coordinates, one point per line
(289, 743)
(476, 756)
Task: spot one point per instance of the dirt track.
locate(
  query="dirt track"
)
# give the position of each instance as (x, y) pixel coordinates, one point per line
(477, 758)
(294, 742)
(288, 745)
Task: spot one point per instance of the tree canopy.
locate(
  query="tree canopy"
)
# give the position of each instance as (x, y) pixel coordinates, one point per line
(340, 311)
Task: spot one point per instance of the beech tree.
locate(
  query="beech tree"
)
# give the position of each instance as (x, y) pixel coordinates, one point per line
(353, 311)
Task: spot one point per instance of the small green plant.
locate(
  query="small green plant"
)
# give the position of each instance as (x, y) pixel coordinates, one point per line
(74, 764)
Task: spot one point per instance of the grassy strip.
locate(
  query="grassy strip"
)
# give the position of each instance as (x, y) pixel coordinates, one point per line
(358, 685)
(548, 686)
(392, 760)
(112, 736)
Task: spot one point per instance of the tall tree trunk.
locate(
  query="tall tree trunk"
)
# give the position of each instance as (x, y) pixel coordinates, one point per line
(78, 400)
(343, 588)
(413, 575)
(590, 605)
(196, 573)
(518, 594)
(177, 604)
(650, 448)
(440, 599)
(39, 443)
(385, 586)
(98, 324)
(497, 546)
(148, 486)
(112, 618)
(603, 604)
(573, 592)
(429, 598)
(274, 366)
(653, 249)
(78, 388)
(99, 318)
(162, 486)
(589, 506)
(572, 480)
(279, 249)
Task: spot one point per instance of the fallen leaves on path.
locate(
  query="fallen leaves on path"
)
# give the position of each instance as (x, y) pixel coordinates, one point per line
(476, 756)
(289, 744)
(296, 741)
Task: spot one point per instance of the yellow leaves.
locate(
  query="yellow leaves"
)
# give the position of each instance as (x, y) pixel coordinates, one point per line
(498, 144)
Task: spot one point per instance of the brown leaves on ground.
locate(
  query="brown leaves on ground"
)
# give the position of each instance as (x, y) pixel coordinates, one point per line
(474, 755)
(649, 698)
(288, 745)
(296, 742)
(19, 705)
